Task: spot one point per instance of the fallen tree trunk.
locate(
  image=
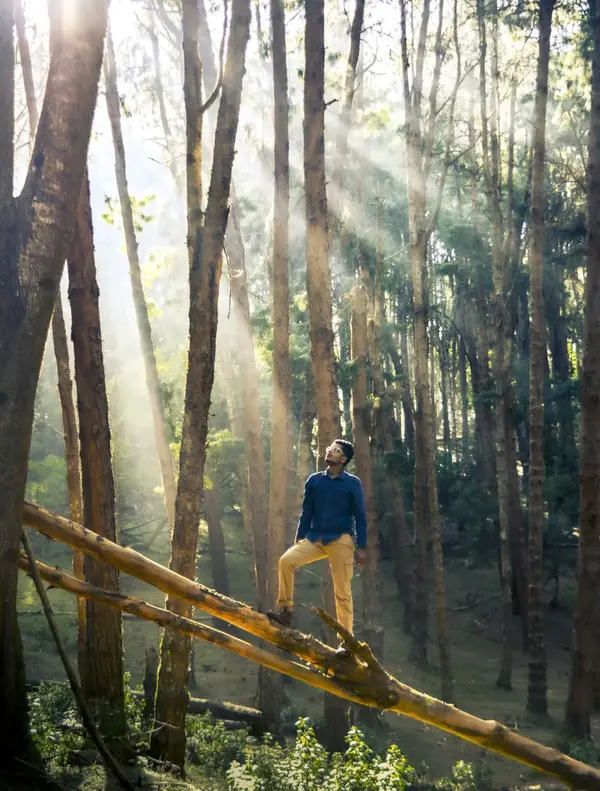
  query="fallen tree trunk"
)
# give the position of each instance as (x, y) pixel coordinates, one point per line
(220, 710)
(361, 680)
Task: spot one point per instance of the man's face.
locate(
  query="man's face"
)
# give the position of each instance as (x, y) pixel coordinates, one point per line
(334, 454)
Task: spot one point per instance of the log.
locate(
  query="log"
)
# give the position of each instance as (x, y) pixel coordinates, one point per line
(360, 680)
(132, 562)
(220, 710)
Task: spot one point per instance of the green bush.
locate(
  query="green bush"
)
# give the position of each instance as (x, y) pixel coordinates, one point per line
(55, 724)
(308, 766)
(211, 746)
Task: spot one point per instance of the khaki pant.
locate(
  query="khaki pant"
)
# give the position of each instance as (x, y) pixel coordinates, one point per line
(341, 559)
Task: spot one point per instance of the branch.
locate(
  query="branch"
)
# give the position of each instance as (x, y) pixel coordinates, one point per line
(367, 684)
(433, 92)
(211, 100)
(446, 165)
(34, 570)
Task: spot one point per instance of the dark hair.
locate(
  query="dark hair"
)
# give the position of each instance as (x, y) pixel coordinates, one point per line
(347, 448)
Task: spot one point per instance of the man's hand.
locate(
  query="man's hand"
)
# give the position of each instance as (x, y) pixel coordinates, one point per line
(360, 556)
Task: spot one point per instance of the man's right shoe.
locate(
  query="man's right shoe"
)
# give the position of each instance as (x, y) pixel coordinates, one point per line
(284, 616)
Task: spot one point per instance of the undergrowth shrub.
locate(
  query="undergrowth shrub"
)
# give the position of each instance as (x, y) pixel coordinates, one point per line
(55, 723)
(308, 767)
(211, 746)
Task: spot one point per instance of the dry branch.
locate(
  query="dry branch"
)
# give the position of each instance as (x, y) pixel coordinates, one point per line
(357, 682)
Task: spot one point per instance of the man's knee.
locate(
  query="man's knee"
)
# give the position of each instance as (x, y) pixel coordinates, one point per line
(287, 562)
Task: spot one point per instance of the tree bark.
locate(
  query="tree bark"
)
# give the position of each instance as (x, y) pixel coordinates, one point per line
(587, 606)
(280, 296)
(306, 460)
(137, 289)
(363, 681)
(65, 389)
(205, 243)
(33, 246)
(371, 580)
(319, 286)
(102, 671)
(537, 701)
(216, 541)
(418, 153)
(61, 352)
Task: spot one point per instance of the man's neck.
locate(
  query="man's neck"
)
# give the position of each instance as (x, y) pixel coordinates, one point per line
(334, 471)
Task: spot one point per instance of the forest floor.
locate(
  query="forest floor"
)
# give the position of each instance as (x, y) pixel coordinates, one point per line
(475, 644)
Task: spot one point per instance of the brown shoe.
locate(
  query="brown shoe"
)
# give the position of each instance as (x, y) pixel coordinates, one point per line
(342, 652)
(284, 616)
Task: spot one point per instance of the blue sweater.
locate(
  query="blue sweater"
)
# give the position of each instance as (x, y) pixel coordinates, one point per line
(329, 506)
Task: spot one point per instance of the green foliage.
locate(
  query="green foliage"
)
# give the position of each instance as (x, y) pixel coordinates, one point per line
(586, 751)
(211, 746)
(55, 724)
(308, 766)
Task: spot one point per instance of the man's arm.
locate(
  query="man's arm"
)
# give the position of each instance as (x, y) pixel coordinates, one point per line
(306, 516)
(360, 515)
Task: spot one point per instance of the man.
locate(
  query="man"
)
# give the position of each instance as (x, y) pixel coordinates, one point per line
(333, 499)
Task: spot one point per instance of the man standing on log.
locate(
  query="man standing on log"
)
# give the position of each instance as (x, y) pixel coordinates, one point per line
(333, 501)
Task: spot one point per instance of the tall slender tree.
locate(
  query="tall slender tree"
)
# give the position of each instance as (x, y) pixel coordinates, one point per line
(419, 151)
(361, 429)
(537, 687)
(102, 671)
(33, 248)
(319, 284)
(161, 437)
(580, 697)
(205, 245)
(61, 353)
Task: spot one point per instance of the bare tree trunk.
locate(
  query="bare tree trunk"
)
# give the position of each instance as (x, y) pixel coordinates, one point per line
(319, 286)
(280, 295)
(102, 671)
(229, 369)
(537, 701)
(205, 243)
(306, 460)
(587, 607)
(137, 288)
(216, 541)
(33, 247)
(372, 584)
(65, 390)
(501, 249)
(418, 157)
(61, 353)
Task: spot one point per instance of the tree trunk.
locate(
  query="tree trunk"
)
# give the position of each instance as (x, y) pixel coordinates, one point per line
(61, 353)
(501, 249)
(371, 580)
(516, 532)
(205, 243)
(280, 296)
(319, 286)
(33, 247)
(137, 289)
(102, 672)
(537, 686)
(216, 541)
(229, 370)
(426, 495)
(65, 390)
(587, 606)
(306, 461)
